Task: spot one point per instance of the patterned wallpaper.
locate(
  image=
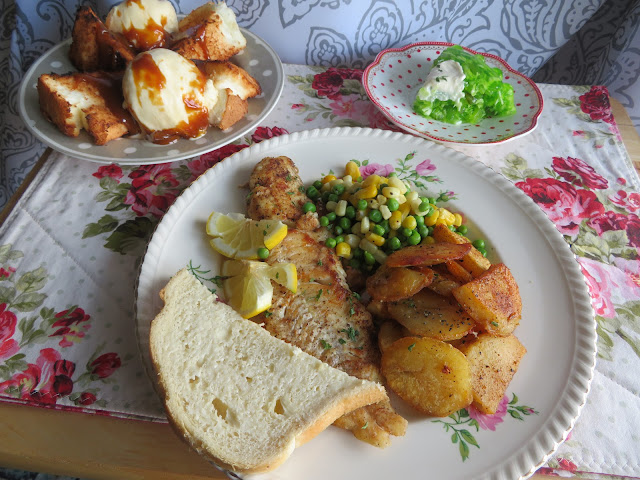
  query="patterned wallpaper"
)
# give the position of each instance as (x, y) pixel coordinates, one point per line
(554, 41)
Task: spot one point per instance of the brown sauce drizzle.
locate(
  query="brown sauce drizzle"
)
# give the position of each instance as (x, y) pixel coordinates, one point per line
(109, 86)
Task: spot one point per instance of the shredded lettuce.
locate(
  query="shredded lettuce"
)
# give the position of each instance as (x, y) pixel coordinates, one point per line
(485, 94)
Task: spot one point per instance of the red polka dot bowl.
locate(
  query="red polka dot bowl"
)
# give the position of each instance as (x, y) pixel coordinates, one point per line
(393, 79)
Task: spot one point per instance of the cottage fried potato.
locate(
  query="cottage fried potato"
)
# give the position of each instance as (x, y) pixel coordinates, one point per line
(493, 362)
(391, 284)
(459, 272)
(443, 282)
(389, 332)
(430, 375)
(474, 262)
(428, 314)
(427, 254)
(492, 300)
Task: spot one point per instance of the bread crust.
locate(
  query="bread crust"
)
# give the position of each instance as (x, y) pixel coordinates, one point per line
(93, 47)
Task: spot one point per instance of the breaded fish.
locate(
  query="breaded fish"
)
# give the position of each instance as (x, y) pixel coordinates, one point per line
(324, 318)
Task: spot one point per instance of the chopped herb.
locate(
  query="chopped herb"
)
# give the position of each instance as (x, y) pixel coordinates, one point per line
(352, 311)
(301, 189)
(319, 295)
(342, 341)
(441, 79)
(320, 262)
(366, 424)
(277, 275)
(351, 332)
(495, 324)
(326, 345)
(410, 347)
(268, 313)
(290, 193)
(289, 177)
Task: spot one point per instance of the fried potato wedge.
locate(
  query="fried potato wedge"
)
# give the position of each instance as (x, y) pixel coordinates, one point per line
(390, 284)
(493, 362)
(427, 254)
(428, 314)
(492, 300)
(459, 272)
(378, 309)
(389, 332)
(443, 282)
(430, 375)
(474, 262)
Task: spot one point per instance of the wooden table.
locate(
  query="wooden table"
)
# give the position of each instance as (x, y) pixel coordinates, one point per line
(91, 446)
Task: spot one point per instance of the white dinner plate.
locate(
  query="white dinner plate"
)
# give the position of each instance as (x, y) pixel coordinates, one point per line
(393, 79)
(557, 326)
(258, 58)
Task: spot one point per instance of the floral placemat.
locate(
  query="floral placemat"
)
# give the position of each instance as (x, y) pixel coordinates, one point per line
(71, 247)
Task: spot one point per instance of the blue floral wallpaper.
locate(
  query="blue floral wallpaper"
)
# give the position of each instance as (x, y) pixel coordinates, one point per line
(553, 41)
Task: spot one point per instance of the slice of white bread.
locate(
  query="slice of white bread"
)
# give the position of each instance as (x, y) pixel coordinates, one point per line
(239, 396)
(210, 32)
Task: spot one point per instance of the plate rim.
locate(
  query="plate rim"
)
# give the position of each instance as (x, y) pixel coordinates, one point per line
(29, 79)
(376, 61)
(583, 360)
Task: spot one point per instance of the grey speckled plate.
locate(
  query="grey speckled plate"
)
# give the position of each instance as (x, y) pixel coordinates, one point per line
(258, 58)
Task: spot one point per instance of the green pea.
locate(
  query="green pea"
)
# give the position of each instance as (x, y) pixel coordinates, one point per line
(338, 189)
(357, 253)
(317, 184)
(419, 219)
(375, 216)
(423, 230)
(394, 243)
(369, 259)
(308, 207)
(312, 192)
(451, 227)
(479, 243)
(355, 263)
(333, 197)
(362, 204)
(415, 238)
(432, 200)
(339, 239)
(385, 224)
(350, 212)
(325, 196)
(338, 230)
(392, 204)
(425, 206)
(331, 216)
(462, 229)
(344, 223)
(263, 253)
(324, 221)
(407, 232)
(378, 230)
(483, 251)
(330, 242)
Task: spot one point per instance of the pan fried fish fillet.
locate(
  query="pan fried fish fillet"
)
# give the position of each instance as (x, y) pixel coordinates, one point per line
(324, 318)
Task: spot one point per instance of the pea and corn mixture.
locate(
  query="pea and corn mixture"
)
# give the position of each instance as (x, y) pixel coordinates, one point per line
(368, 219)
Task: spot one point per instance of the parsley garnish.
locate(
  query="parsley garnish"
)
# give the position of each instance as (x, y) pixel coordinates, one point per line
(319, 295)
(351, 332)
(289, 177)
(495, 324)
(326, 345)
(320, 262)
(441, 79)
(268, 313)
(410, 347)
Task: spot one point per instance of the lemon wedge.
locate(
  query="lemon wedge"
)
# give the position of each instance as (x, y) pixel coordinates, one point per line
(236, 236)
(248, 288)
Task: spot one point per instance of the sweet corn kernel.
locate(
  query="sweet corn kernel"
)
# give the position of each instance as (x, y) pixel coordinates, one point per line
(380, 256)
(348, 179)
(411, 196)
(341, 208)
(410, 223)
(458, 219)
(381, 199)
(386, 213)
(391, 192)
(397, 183)
(395, 221)
(343, 249)
(377, 240)
(428, 240)
(415, 205)
(430, 220)
(369, 191)
(447, 217)
(401, 199)
(373, 204)
(368, 246)
(352, 239)
(328, 179)
(365, 224)
(404, 209)
(371, 180)
(331, 206)
(351, 168)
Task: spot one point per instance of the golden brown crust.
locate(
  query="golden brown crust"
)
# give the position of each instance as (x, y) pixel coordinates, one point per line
(102, 111)
(93, 47)
(232, 74)
(234, 111)
(201, 36)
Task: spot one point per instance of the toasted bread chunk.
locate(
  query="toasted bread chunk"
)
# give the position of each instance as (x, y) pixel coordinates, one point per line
(227, 75)
(91, 101)
(235, 109)
(209, 32)
(93, 47)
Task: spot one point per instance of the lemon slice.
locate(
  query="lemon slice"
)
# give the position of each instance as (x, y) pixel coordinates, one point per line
(236, 236)
(248, 288)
